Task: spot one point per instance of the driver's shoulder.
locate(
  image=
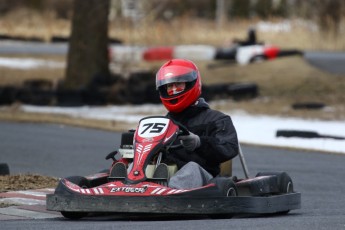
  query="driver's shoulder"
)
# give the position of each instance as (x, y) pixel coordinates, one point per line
(211, 115)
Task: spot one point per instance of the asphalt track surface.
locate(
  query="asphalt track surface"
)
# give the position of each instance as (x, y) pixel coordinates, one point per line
(60, 151)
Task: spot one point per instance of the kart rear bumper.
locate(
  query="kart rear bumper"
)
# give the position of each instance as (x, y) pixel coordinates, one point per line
(175, 204)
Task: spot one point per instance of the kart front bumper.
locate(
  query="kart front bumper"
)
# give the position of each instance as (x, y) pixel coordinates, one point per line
(174, 204)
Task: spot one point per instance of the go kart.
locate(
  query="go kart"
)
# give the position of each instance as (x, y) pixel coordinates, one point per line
(134, 184)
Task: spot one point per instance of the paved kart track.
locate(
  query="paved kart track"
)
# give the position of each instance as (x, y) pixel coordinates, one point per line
(60, 151)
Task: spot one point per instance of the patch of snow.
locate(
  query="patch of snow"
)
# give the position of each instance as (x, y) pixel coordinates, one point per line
(29, 63)
(251, 129)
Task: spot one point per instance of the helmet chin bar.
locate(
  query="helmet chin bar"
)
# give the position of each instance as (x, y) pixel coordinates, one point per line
(173, 101)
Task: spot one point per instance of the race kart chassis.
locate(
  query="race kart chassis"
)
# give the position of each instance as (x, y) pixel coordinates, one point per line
(136, 193)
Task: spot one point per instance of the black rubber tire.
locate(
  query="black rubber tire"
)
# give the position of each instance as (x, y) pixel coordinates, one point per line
(308, 105)
(242, 91)
(74, 215)
(4, 169)
(81, 182)
(225, 185)
(285, 183)
(8, 95)
(228, 188)
(297, 133)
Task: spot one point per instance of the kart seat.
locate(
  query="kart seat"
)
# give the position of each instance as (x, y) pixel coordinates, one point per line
(226, 169)
(150, 169)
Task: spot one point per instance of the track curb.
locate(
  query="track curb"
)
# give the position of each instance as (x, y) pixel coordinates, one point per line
(26, 204)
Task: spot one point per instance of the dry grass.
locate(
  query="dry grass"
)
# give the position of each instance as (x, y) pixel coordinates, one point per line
(26, 181)
(29, 23)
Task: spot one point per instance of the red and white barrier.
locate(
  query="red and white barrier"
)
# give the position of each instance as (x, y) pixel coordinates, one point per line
(137, 54)
(243, 55)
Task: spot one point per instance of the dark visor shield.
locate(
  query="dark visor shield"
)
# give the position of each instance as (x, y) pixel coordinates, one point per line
(188, 77)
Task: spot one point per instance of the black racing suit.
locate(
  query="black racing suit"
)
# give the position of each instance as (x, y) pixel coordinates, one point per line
(218, 138)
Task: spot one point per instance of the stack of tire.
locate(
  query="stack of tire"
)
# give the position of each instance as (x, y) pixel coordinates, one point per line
(34, 92)
(4, 169)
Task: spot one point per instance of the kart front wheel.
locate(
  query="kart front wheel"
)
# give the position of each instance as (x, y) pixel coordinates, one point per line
(83, 183)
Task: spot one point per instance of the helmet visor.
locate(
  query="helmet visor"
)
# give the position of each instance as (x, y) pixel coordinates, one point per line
(163, 80)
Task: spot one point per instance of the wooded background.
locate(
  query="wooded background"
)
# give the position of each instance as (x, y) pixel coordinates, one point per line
(328, 14)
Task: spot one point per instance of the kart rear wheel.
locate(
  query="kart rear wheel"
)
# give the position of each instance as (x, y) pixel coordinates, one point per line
(81, 182)
(285, 184)
(228, 188)
(225, 185)
(74, 215)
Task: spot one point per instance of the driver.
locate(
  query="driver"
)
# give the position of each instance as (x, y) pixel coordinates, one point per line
(212, 136)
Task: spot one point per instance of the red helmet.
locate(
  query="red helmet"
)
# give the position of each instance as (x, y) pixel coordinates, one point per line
(178, 70)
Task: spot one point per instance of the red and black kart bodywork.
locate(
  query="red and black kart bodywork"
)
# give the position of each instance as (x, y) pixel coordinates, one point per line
(136, 192)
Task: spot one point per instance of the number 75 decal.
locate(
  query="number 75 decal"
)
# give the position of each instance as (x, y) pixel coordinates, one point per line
(153, 127)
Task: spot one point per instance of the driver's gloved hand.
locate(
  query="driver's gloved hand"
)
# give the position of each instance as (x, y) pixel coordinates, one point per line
(190, 142)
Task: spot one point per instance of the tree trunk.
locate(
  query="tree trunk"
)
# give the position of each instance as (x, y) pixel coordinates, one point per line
(88, 47)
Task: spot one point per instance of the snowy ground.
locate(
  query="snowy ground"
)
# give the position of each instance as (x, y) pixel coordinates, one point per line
(29, 63)
(252, 129)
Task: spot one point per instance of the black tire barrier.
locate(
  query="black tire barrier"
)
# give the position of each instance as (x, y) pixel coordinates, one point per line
(140, 88)
(8, 95)
(308, 105)
(214, 91)
(285, 53)
(94, 96)
(237, 91)
(35, 96)
(18, 38)
(4, 169)
(226, 53)
(305, 134)
(38, 84)
(69, 98)
(241, 91)
(59, 39)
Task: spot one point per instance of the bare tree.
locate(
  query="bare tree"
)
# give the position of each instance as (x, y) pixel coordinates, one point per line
(88, 46)
(330, 15)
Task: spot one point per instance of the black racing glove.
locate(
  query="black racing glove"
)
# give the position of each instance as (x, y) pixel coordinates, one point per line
(190, 142)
